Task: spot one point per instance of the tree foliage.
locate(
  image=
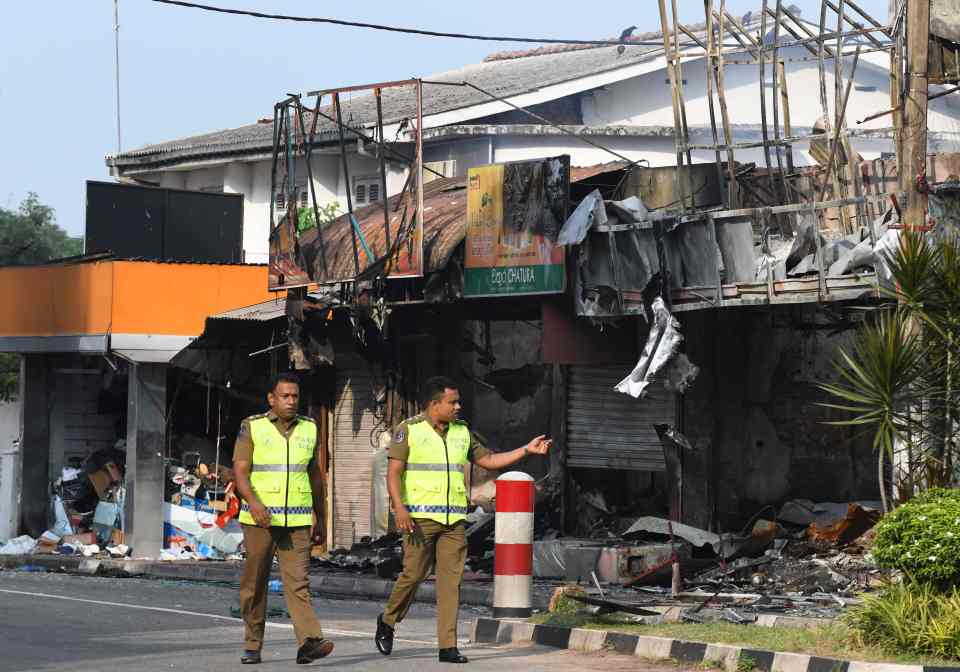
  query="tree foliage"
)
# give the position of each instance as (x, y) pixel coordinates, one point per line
(901, 378)
(30, 235)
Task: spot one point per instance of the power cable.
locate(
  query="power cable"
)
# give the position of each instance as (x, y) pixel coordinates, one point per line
(411, 31)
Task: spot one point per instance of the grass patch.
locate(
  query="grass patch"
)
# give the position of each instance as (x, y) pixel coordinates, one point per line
(832, 640)
(914, 616)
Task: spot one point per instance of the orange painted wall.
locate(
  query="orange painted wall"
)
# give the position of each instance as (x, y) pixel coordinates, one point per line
(127, 297)
(151, 298)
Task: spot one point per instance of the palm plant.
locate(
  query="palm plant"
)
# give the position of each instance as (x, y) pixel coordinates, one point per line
(901, 377)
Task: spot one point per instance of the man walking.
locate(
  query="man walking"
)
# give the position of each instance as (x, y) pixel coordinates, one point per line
(275, 461)
(428, 491)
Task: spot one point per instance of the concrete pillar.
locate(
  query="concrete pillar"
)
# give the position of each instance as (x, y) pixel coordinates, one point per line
(11, 429)
(35, 382)
(146, 432)
(238, 179)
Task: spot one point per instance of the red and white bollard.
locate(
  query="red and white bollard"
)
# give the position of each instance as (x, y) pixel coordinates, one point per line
(513, 554)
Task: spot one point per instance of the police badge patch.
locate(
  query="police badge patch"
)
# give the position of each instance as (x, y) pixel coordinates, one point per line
(399, 436)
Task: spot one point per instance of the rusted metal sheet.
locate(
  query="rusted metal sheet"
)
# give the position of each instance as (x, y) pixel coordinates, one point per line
(445, 210)
(657, 187)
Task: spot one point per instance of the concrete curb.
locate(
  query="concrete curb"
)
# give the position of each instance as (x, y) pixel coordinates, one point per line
(675, 615)
(229, 572)
(494, 631)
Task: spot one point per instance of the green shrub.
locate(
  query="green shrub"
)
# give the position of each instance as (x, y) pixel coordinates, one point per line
(922, 538)
(909, 617)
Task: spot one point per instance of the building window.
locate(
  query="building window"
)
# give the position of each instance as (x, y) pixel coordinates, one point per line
(865, 88)
(366, 190)
(683, 82)
(301, 196)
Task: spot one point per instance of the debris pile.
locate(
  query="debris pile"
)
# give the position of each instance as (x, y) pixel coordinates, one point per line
(86, 511)
(199, 518)
(810, 561)
(383, 556)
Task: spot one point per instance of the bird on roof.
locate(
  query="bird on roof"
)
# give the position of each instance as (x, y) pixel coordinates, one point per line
(624, 36)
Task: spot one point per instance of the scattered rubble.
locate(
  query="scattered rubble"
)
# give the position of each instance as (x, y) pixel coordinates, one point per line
(383, 556)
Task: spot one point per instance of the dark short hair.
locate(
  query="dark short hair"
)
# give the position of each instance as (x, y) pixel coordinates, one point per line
(434, 389)
(285, 377)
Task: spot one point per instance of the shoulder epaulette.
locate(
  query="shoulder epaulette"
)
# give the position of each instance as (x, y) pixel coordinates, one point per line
(307, 418)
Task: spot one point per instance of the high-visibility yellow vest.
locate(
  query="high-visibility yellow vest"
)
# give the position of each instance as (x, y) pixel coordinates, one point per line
(433, 481)
(279, 472)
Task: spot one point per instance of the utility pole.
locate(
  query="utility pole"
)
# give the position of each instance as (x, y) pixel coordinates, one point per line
(116, 62)
(914, 132)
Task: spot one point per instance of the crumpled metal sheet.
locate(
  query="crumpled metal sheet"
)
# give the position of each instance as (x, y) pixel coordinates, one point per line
(628, 210)
(662, 345)
(694, 535)
(858, 520)
(590, 211)
(883, 250)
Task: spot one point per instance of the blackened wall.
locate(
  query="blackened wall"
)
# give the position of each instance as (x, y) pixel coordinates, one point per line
(754, 419)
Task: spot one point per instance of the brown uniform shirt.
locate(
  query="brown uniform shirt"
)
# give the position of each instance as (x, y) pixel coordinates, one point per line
(243, 448)
(400, 446)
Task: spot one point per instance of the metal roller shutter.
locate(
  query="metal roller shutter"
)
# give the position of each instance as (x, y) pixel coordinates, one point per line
(610, 430)
(353, 451)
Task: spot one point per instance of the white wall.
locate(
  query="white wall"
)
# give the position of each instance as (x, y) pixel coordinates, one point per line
(238, 179)
(206, 179)
(173, 179)
(646, 100)
(256, 215)
(467, 152)
(9, 467)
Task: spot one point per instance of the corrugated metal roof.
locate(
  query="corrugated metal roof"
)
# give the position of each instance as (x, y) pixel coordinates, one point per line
(503, 75)
(268, 310)
(445, 211)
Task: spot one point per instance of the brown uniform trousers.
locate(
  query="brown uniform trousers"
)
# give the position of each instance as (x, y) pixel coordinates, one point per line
(431, 543)
(292, 546)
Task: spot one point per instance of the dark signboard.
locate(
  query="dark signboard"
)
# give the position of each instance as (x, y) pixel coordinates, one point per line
(132, 221)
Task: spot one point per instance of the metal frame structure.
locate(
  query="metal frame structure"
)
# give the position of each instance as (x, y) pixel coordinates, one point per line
(292, 140)
(777, 134)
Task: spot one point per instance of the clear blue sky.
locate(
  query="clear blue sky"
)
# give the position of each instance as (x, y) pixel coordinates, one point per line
(185, 71)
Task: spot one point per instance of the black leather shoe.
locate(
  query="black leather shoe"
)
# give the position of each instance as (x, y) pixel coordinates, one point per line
(384, 638)
(452, 655)
(313, 649)
(250, 657)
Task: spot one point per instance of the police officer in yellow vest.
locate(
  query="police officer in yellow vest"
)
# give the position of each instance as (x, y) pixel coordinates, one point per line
(275, 460)
(425, 479)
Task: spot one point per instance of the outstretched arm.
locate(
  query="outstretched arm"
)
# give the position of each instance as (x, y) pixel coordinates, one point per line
(540, 445)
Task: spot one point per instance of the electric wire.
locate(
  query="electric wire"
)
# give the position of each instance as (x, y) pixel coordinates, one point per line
(409, 31)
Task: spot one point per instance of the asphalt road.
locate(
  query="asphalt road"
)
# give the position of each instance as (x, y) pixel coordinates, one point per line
(61, 622)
